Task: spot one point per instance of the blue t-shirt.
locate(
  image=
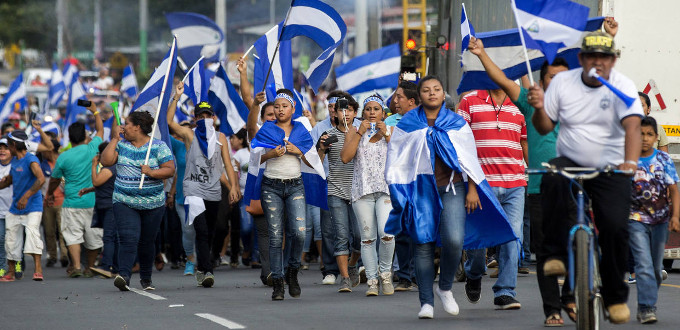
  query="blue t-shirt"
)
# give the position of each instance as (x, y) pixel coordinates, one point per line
(22, 180)
(393, 120)
(129, 174)
(650, 202)
(180, 152)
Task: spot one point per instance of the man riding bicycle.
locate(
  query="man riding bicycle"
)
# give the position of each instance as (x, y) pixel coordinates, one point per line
(597, 129)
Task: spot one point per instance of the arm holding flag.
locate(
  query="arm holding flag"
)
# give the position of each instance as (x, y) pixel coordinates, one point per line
(45, 140)
(98, 123)
(185, 133)
(253, 115)
(476, 47)
(246, 89)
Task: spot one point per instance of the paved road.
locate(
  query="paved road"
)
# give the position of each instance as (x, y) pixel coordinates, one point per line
(239, 300)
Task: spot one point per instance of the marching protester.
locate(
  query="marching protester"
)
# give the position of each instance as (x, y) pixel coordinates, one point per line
(241, 156)
(176, 200)
(433, 200)
(137, 212)
(25, 212)
(206, 159)
(592, 133)
(74, 166)
(370, 195)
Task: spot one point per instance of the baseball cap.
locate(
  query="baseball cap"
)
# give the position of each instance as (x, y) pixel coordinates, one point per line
(203, 107)
(598, 42)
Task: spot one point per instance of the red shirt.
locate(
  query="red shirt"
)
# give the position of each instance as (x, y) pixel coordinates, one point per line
(498, 130)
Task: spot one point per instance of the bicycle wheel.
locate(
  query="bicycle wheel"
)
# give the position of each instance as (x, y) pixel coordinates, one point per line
(584, 301)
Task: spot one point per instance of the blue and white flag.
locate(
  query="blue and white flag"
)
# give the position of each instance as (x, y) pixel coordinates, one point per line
(281, 69)
(108, 124)
(321, 23)
(15, 94)
(57, 88)
(70, 73)
(46, 126)
(76, 92)
(314, 178)
(505, 49)
(549, 25)
(227, 103)
(148, 99)
(129, 83)
(374, 70)
(197, 36)
(466, 30)
(196, 86)
(413, 188)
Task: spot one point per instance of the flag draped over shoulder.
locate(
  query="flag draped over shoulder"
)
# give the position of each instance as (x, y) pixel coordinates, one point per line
(413, 189)
(269, 137)
(505, 49)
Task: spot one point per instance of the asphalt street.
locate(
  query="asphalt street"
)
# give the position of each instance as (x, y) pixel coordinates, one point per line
(238, 300)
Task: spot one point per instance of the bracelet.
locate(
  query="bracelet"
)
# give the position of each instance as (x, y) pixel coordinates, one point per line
(95, 113)
(359, 133)
(632, 162)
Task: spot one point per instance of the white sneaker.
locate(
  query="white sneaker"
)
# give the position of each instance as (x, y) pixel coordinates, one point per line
(328, 280)
(426, 312)
(449, 303)
(664, 275)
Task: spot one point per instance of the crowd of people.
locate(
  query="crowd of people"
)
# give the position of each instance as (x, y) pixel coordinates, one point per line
(407, 196)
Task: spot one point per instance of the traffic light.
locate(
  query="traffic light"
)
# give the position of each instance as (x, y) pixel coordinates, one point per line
(410, 44)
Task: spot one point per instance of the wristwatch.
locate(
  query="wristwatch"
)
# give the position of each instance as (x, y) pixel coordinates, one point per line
(387, 131)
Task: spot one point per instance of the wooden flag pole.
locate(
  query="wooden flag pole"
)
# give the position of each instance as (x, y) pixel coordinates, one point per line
(158, 108)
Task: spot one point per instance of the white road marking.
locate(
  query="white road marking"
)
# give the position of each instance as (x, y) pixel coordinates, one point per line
(177, 305)
(221, 321)
(146, 294)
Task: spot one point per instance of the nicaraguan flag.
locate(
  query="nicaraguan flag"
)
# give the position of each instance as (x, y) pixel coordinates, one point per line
(16, 93)
(76, 92)
(466, 30)
(70, 73)
(227, 103)
(374, 70)
(413, 189)
(197, 36)
(281, 69)
(57, 88)
(270, 136)
(549, 25)
(196, 86)
(505, 49)
(149, 97)
(321, 23)
(129, 83)
(47, 126)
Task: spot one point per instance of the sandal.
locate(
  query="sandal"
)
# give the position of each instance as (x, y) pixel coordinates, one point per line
(570, 309)
(554, 320)
(37, 276)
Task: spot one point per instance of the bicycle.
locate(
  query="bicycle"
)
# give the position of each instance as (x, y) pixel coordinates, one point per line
(583, 269)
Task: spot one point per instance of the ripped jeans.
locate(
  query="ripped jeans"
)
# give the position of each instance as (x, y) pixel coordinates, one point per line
(283, 201)
(372, 211)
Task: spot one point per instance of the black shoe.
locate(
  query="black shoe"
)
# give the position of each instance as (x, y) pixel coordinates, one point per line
(403, 285)
(506, 302)
(473, 290)
(147, 285)
(123, 284)
(51, 262)
(279, 290)
(293, 285)
(208, 280)
(64, 262)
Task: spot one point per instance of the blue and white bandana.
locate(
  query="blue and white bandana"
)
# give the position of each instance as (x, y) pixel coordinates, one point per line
(374, 99)
(285, 96)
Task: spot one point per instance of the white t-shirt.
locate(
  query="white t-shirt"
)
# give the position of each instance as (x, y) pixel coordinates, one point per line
(242, 156)
(5, 194)
(590, 118)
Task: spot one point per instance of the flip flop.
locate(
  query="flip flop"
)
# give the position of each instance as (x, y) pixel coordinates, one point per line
(554, 320)
(37, 276)
(570, 309)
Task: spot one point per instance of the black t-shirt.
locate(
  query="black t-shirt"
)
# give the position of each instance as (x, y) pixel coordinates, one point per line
(104, 193)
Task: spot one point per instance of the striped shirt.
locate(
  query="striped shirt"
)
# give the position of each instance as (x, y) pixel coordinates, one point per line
(498, 131)
(339, 174)
(129, 174)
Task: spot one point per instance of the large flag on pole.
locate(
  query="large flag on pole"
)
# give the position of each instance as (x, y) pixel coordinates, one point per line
(57, 88)
(549, 25)
(227, 103)
(374, 70)
(156, 94)
(282, 66)
(69, 74)
(321, 23)
(129, 83)
(466, 30)
(76, 92)
(16, 93)
(505, 49)
(197, 36)
(196, 83)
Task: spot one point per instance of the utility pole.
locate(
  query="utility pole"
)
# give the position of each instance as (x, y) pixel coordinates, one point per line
(360, 27)
(60, 29)
(221, 20)
(375, 25)
(97, 49)
(143, 26)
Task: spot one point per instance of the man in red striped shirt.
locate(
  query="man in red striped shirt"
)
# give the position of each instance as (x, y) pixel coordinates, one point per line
(500, 134)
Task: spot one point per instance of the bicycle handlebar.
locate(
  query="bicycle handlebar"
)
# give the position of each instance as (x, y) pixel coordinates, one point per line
(577, 173)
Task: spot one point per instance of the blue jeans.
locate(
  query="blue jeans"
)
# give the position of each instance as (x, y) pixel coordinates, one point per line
(137, 230)
(3, 255)
(647, 243)
(188, 232)
(110, 239)
(345, 224)
(330, 266)
(452, 233)
(279, 196)
(526, 235)
(403, 248)
(247, 232)
(512, 201)
(313, 226)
